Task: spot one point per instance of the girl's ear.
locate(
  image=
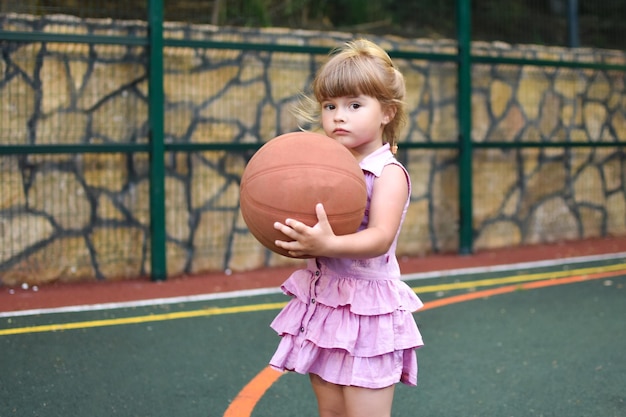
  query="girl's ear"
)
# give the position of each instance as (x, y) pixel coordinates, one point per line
(388, 114)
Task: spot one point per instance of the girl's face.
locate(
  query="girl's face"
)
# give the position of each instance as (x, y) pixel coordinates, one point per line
(355, 122)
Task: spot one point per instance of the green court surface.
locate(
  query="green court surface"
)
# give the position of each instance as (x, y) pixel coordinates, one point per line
(544, 340)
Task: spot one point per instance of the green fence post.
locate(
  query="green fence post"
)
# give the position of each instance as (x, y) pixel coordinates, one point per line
(157, 148)
(464, 27)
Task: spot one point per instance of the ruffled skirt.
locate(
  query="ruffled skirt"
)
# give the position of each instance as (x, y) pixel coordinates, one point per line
(347, 330)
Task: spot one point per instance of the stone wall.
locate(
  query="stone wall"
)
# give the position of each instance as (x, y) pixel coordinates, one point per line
(70, 217)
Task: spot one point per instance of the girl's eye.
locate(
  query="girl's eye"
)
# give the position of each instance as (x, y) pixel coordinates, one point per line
(329, 106)
(355, 106)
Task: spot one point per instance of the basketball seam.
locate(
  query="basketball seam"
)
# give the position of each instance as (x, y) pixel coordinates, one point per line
(267, 171)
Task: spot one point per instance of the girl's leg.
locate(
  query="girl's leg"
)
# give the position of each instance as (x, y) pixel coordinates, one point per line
(366, 402)
(341, 401)
(330, 400)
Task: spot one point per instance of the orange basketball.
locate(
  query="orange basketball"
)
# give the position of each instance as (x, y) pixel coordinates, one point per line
(293, 172)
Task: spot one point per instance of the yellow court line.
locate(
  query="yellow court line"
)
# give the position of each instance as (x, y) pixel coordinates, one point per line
(518, 279)
(215, 311)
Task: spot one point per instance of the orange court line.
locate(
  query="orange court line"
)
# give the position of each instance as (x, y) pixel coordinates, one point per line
(516, 287)
(243, 404)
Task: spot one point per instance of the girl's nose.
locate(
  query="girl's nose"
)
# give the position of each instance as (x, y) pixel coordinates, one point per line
(338, 116)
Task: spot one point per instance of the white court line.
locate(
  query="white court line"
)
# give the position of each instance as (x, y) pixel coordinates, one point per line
(266, 291)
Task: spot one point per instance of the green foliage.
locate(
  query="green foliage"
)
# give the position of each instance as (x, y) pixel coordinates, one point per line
(515, 21)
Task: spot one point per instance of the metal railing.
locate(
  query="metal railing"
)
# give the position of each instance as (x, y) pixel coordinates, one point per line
(157, 146)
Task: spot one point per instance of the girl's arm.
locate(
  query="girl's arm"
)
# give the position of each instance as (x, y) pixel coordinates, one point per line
(388, 199)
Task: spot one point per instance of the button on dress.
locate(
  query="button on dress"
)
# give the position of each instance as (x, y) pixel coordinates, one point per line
(350, 321)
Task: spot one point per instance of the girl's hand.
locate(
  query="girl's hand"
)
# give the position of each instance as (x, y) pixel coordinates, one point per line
(307, 241)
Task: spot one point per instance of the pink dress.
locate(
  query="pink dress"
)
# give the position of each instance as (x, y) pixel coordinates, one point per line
(350, 320)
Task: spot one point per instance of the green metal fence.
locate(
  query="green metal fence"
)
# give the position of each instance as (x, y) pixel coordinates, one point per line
(155, 160)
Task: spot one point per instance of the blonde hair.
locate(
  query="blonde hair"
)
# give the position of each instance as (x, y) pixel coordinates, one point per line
(359, 67)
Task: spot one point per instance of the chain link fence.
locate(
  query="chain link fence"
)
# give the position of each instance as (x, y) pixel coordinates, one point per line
(124, 130)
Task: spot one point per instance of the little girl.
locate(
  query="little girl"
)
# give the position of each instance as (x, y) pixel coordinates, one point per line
(349, 324)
